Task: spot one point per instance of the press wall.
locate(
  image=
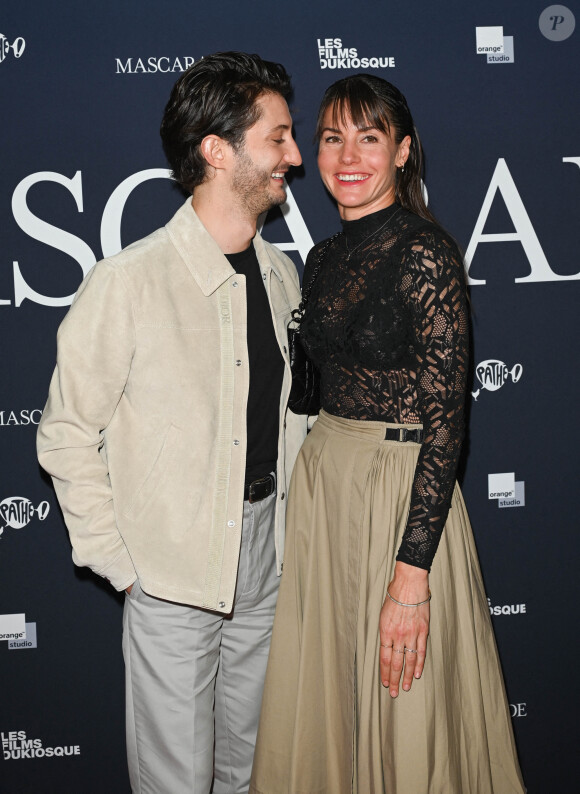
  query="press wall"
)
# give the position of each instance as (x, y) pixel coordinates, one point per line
(82, 91)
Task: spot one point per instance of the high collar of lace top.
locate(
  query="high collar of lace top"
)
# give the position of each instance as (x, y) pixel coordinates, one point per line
(356, 231)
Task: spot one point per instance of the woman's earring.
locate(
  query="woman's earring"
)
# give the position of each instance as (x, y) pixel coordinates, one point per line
(403, 168)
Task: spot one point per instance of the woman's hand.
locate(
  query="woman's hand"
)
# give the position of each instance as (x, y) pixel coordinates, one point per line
(403, 628)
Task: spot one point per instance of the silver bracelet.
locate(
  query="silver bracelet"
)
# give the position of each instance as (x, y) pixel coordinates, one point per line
(400, 603)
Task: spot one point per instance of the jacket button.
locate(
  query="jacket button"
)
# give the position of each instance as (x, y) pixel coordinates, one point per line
(234, 283)
(222, 604)
(281, 566)
(264, 276)
(284, 349)
(238, 362)
(231, 523)
(283, 496)
(236, 442)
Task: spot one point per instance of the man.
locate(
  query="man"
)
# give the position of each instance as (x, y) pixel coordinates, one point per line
(167, 435)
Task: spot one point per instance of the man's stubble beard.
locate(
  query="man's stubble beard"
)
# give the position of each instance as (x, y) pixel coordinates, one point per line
(252, 186)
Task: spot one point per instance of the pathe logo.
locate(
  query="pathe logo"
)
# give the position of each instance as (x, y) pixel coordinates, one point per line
(492, 374)
(18, 511)
(506, 609)
(26, 416)
(491, 42)
(333, 55)
(506, 490)
(17, 47)
(153, 64)
(16, 746)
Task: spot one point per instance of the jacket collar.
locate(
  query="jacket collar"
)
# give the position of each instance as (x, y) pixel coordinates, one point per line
(202, 255)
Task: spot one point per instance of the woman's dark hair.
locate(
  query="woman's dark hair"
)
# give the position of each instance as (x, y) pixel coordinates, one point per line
(215, 96)
(372, 101)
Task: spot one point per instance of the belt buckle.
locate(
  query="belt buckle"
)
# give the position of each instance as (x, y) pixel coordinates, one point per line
(252, 490)
(402, 434)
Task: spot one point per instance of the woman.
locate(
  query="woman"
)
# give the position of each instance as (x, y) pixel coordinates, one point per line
(386, 321)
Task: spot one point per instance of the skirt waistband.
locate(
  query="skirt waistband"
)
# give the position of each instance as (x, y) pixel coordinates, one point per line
(361, 428)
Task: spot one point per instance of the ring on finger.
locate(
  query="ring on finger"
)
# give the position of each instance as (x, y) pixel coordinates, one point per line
(386, 646)
(396, 650)
(411, 650)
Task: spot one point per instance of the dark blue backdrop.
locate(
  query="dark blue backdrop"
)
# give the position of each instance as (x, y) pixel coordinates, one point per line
(83, 88)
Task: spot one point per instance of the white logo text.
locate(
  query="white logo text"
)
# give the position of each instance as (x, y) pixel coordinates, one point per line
(333, 55)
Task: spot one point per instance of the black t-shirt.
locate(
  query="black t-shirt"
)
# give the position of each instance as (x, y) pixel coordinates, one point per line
(266, 369)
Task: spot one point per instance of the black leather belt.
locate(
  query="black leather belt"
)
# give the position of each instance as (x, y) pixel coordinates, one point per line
(404, 434)
(260, 489)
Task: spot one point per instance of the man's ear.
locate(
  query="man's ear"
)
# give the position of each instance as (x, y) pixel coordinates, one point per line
(215, 151)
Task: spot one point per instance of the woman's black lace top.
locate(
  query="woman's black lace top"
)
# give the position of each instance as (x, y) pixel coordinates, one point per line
(386, 323)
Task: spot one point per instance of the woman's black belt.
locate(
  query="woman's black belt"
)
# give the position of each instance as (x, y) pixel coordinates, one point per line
(405, 434)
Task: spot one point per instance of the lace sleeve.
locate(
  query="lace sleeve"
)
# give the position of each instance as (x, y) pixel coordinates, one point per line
(434, 285)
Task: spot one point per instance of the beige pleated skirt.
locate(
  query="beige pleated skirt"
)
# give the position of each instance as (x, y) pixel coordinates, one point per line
(328, 725)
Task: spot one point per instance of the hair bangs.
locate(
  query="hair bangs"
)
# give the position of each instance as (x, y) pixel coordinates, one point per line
(354, 101)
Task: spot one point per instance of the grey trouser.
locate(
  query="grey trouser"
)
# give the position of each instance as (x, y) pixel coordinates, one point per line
(189, 670)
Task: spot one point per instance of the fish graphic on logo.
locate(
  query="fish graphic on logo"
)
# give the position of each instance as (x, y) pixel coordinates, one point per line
(492, 374)
(17, 512)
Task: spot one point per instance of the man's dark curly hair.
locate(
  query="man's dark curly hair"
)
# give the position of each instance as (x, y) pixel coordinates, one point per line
(215, 96)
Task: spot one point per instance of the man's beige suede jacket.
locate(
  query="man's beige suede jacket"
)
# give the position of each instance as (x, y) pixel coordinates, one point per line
(144, 431)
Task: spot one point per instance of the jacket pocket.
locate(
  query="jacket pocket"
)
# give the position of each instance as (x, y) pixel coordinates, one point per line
(148, 487)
